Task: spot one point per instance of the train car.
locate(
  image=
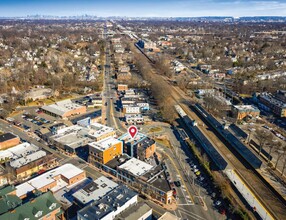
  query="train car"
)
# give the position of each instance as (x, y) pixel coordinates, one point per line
(232, 140)
(216, 157)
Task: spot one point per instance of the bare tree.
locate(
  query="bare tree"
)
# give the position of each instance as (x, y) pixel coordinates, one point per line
(263, 137)
(281, 152)
(272, 145)
(284, 166)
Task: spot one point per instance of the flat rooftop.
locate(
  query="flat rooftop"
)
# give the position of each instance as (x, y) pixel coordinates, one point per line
(157, 178)
(246, 108)
(97, 130)
(19, 151)
(67, 170)
(28, 159)
(127, 139)
(112, 202)
(133, 116)
(117, 161)
(168, 216)
(146, 142)
(60, 108)
(7, 136)
(92, 115)
(95, 190)
(104, 144)
(135, 212)
(136, 167)
(271, 99)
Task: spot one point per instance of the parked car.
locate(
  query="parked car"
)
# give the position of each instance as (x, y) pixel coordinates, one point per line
(218, 203)
(177, 183)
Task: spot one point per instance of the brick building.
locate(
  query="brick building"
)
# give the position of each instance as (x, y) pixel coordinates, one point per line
(105, 150)
(141, 147)
(275, 105)
(53, 180)
(8, 140)
(64, 109)
(242, 111)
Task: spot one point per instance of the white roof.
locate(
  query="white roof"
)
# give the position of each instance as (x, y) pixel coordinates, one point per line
(245, 107)
(28, 159)
(102, 186)
(60, 108)
(168, 216)
(133, 116)
(97, 130)
(23, 189)
(41, 181)
(136, 167)
(126, 138)
(104, 144)
(19, 151)
(67, 170)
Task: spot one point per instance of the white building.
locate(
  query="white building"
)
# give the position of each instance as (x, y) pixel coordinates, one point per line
(134, 119)
(95, 190)
(52, 180)
(136, 167)
(131, 109)
(110, 205)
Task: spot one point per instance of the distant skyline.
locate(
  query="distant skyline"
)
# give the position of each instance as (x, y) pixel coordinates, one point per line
(143, 8)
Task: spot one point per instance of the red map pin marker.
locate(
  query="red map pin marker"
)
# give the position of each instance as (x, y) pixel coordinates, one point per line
(132, 130)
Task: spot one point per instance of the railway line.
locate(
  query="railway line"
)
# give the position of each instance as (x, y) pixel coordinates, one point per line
(266, 196)
(274, 205)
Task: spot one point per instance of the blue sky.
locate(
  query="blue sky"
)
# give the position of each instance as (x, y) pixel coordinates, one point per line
(158, 8)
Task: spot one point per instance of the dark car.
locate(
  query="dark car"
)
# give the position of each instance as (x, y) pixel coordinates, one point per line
(177, 183)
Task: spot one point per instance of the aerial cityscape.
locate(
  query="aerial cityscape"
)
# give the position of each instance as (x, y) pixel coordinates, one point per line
(126, 110)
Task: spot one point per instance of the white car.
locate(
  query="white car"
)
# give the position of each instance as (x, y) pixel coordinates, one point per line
(196, 170)
(217, 203)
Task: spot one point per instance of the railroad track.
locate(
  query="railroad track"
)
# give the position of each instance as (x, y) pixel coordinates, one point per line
(265, 195)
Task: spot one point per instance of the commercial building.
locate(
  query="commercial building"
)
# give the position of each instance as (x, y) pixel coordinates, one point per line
(31, 163)
(8, 140)
(110, 205)
(52, 180)
(134, 119)
(140, 211)
(122, 87)
(71, 138)
(241, 111)
(95, 116)
(134, 167)
(281, 95)
(144, 106)
(99, 131)
(128, 101)
(25, 159)
(75, 137)
(168, 216)
(64, 109)
(150, 179)
(105, 150)
(131, 109)
(277, 107)
(141, 147)
(44, 206)
(94, 191)
(8, 199)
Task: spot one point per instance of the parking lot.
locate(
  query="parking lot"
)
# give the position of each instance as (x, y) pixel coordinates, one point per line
(32, 119)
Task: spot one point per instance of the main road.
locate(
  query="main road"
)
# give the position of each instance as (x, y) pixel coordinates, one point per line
(109, 96)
